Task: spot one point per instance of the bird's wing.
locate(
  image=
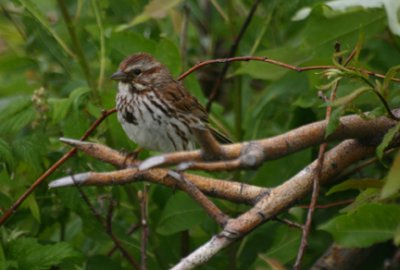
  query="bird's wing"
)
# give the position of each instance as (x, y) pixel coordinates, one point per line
(186, 103)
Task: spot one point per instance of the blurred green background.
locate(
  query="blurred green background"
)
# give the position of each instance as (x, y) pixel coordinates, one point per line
(56, 58)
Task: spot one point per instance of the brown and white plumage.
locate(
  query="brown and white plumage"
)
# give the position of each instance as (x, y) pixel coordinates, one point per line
(155, 110)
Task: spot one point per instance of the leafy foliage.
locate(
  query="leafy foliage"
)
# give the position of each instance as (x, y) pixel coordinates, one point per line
(370, 224)
(54, 83)
(27, 253)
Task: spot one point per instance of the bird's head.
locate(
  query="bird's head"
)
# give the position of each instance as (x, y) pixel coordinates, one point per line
(140, 70)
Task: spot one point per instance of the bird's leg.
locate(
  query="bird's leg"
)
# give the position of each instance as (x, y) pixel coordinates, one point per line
(131, 157)
(211, 149)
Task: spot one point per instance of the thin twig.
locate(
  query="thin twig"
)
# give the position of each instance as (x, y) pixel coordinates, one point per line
(329, 205)
(97, 215)
(78, 48)
(110, 212)
(57, 164)
(142, 196)
(289, 223)
(275, 62)
(231, 53)
(363, 164)
(212, 210)
(316, 179)
(102, 60)
(131, 230)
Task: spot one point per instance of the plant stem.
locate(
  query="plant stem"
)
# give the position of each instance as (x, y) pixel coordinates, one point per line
(102, 44)
(78, 49)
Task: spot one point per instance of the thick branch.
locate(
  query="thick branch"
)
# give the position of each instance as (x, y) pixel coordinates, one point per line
(352, 126)
(229, 190)
(278, 199)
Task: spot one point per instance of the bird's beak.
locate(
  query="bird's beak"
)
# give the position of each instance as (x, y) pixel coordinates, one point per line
(119, 76)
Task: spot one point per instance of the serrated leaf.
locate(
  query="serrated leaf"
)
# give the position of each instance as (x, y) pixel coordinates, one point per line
(31, 149)
(392, 184)
(12, 105)
(369, 224)
(350, 97)
(356, 184)
(334, 121)
(6, 155)
(18, 121)
(387, 139)
(15, 114)
(180, 213)
(29, 254)
(59, 108)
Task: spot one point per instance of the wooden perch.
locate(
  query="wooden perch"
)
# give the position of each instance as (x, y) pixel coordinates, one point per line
(237, 155)
(277, 200)
(229, 190)
(267, 203)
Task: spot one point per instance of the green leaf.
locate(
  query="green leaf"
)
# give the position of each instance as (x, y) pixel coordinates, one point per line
(356, 184)
(370, 224)
(283, 247)
(12, 105)
(154, 9)
(397, 237)
(59, 108)
(79, 95)
(2, 258)
(350, 97)
(365, 197)
(100, 262)
(32, 150)
(129, 42)
(388, 79)
(29, 254)
(31, 203)
(387, 139)
(181, 213)
(6, 155)
(334, 121)
(15, 114)
(392, 185)
(168, 53)
(37, 13)
(345, 27)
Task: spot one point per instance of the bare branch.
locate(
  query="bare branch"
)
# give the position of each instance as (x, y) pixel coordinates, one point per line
(212, 210)
(277, 63)
(229, 190)
(278, 199)
(237, 155)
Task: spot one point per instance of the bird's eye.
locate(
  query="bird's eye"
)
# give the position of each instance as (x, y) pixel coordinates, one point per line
(137, 71)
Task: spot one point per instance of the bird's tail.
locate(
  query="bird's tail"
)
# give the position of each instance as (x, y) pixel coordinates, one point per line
(221, 138)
